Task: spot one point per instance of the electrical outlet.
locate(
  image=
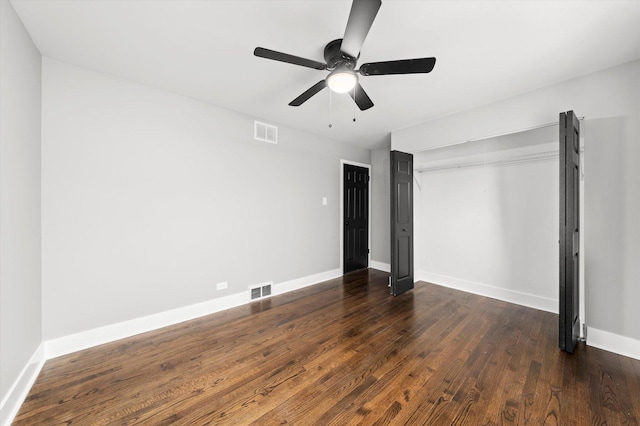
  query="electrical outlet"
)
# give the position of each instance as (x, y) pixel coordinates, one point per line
(221, 286)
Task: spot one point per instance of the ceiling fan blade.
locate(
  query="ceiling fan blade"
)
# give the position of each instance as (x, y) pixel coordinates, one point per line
(284, 57)
(404, 66)
(309, 93)
(361, 98)
(361, 17)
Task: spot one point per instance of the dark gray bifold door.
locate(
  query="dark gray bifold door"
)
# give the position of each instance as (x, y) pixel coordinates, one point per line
(401, 222)
(569, 321)
(356, 218)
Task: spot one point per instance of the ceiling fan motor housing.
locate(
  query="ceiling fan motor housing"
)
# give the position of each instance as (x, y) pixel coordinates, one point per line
(335, 58)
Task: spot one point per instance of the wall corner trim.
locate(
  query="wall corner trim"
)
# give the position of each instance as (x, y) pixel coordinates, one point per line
(18, 391)
(612, 342)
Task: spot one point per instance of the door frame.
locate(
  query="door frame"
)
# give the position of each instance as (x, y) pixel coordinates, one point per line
(367, 166)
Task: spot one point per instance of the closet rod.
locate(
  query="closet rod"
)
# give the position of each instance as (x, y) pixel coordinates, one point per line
(512, 132)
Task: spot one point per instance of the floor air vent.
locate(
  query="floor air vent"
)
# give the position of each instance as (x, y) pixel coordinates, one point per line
(261, 291)
(256, 293)
(266, 290)
(265, 132)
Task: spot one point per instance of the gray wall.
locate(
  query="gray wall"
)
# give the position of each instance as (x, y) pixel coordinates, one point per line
(380, 206)
(488, 224)
(20, 90)
(149, 199)
(612, 220)
(610, 101)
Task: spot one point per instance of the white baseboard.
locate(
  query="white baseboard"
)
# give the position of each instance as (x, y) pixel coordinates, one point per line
(53, 348)
(380, 266)
(98, 336)
(613, 343)
(507, 295)
(18, 391)
(299, 283)
(109, 333)
(600, 339)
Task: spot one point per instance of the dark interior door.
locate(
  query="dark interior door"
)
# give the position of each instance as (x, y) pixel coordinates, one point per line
(356, 218)
(569, 321)
(401, 222)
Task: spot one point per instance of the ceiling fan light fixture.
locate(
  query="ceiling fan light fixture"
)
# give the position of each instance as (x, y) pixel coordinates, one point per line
(342, 81)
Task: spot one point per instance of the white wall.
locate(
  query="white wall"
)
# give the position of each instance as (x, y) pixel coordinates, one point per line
(20, 320)
(149, 199)
(610, 101)
(380, 208)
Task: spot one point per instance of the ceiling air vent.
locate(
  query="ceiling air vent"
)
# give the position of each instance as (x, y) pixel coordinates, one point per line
(265, 132)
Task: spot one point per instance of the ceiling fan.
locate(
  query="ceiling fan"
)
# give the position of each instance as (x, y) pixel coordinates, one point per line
(341, 56)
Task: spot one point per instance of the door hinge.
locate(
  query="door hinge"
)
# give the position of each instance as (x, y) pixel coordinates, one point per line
(368, 178)
(368, 251)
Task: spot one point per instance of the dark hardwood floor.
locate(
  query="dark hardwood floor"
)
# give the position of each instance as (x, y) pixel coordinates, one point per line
(344, 352)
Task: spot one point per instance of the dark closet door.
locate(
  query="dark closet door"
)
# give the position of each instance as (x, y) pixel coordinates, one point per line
(356, 218)
(569, 321)
(401, 222)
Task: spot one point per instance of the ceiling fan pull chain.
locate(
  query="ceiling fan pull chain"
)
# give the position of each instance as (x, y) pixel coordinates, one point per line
(330, 112)
(354, 104)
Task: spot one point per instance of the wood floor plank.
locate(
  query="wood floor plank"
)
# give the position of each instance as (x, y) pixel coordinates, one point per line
(388, 375)
(343, 352)
(382, 400)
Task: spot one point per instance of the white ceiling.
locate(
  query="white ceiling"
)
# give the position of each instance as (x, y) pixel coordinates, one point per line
(485, 50)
